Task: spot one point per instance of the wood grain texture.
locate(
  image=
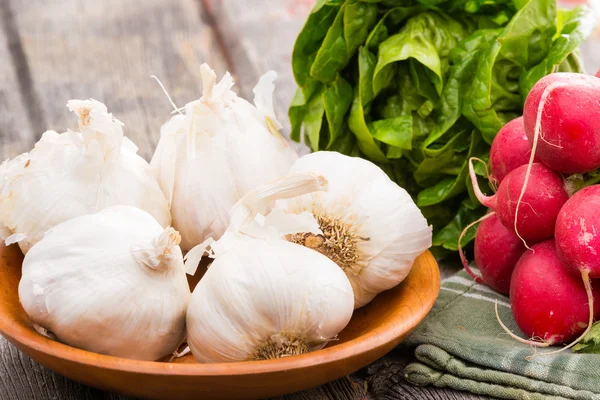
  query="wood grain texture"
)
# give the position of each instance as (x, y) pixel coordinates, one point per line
(16, 125)
(108, 50)
(24, 379)
(384, 382)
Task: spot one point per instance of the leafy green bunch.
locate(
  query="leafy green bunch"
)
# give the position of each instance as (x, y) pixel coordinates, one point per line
(419, 86)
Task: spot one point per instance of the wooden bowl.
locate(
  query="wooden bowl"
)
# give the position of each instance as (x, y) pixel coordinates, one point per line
(373, 331)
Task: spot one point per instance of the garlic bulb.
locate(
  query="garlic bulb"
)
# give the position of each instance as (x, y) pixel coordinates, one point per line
(75, 173)
(264, 297)
(221, 148)
(371, 227)
(111, 282)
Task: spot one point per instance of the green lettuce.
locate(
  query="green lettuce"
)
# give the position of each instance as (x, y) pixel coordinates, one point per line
(590, 342)
(419, 86)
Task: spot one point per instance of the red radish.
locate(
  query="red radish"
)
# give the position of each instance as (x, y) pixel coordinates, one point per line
(533, 216)
(563, 110)
(497, 251)
(510, 149)
(578, 234)
(548, 301)
(598, 74)
(578, 231)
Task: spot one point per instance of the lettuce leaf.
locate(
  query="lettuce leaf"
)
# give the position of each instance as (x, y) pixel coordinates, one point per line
(419, 86)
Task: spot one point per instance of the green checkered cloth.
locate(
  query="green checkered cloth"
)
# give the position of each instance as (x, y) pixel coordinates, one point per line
(460, 345)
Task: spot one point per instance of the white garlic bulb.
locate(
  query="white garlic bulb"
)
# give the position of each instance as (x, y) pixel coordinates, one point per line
(370, 226)
(75, 173)
(219, 149)
(111, 282)
(264, 297)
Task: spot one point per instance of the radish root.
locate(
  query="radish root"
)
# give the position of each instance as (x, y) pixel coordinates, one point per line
(463, 258)
(487, 201)
(536, 135)
(550, 144)
(585, 276)
(515, 337)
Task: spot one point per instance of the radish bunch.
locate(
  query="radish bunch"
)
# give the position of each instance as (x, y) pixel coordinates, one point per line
(537, 244)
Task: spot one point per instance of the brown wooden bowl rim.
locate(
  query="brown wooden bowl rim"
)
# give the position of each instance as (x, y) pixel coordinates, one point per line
(385, 333)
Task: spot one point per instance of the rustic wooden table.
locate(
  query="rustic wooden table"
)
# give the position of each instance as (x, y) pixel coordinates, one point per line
(55, 50)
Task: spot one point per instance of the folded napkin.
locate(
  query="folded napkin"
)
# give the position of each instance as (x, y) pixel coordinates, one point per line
(460, 345)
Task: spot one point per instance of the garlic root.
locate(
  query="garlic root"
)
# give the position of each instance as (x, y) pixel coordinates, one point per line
(280, 345)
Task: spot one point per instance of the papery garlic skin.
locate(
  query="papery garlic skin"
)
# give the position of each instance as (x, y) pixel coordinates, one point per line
(380, 226)
(75, 173)
(260, 293)
(219, 149)
(111, 283)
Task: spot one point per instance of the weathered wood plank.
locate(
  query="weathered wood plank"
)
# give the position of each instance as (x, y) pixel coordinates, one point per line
(107, 51)
(260, 36)
(384, 380)
(16, 112)
(23, 379)
(347, 388)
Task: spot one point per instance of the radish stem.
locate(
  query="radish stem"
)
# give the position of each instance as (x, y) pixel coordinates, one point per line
(487, 201)
(536, 135)
(463, 258)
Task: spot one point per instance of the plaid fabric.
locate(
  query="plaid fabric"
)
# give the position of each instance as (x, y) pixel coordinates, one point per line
(461, 345)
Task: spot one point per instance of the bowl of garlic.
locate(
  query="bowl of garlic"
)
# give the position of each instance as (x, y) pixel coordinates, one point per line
(274, 274)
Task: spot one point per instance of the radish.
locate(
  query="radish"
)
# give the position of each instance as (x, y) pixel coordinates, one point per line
(563, 109)
(497, 251)
(597, 74)
(578, 231)
(533, 216)
(548, 302)
(578, 235)
(510, 149)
